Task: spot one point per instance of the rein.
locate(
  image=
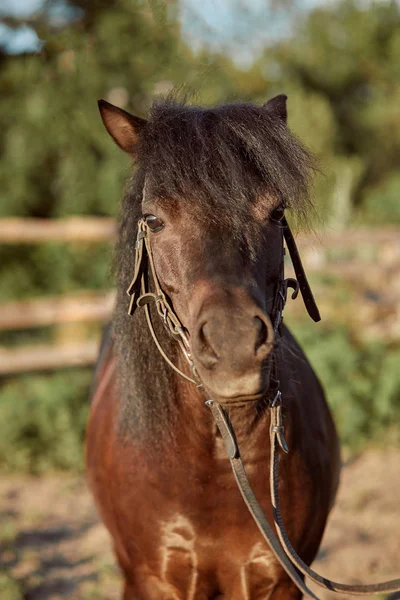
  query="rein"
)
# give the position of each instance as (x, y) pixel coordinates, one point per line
(280, 546)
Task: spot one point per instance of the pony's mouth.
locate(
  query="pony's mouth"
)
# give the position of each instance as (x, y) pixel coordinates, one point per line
(238, 394)
(244, 399)
(226, 386)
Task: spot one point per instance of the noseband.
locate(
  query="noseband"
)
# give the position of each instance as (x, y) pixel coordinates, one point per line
(140, 295)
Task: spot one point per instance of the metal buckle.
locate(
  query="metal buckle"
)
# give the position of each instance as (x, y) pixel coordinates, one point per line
(141, 234)
(277, 400)
(290, 282)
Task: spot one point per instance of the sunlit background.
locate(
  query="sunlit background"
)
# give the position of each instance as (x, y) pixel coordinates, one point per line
(61, 179)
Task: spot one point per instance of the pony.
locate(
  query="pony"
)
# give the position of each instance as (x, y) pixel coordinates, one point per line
(201, 232)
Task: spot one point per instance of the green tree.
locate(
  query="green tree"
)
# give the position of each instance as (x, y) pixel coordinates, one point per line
(346, 55)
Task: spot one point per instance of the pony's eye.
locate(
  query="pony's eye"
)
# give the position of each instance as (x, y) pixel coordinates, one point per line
(278, 213)
(154, 223)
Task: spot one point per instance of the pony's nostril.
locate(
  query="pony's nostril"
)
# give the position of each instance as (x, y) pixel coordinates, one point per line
(205, 351)
(232, 342)
(264, 338)
(204, 339)
(262, 332)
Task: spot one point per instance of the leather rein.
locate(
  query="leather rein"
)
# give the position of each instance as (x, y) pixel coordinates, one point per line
(279, 544)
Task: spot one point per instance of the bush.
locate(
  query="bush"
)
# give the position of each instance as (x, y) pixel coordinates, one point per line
(42, 421)
(360, 379)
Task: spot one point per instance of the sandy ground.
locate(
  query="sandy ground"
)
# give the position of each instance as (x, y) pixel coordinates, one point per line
(53, 547)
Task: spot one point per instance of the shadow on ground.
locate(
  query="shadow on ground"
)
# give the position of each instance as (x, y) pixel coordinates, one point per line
(53, 547)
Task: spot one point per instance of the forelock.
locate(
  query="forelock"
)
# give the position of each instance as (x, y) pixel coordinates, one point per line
(223, 158)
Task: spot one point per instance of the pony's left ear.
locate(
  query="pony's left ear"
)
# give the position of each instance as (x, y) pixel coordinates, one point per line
(123, 127)
(277, 107)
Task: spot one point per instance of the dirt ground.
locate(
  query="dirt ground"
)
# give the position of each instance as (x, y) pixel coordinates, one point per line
(53, 547)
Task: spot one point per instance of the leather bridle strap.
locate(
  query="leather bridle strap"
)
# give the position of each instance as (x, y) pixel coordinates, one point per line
(283, 551)
(307, 295)
(384, 587)
(138, 285)
(232, 449)
(161, 350)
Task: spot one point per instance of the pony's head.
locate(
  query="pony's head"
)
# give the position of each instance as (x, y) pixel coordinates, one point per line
(214, 185)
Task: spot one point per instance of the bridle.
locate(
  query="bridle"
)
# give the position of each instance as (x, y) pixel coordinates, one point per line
(140, 296)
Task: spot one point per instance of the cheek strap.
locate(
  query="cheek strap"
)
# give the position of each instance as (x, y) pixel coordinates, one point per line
(308, 298)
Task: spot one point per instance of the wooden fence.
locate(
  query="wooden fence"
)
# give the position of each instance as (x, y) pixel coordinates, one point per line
(96, 229)
(86, 306)
(368, 259)
(71, 229)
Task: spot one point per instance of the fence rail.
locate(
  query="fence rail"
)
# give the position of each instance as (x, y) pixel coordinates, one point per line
(70, 229)
(83, 307)
(19, 230)
(46, 357)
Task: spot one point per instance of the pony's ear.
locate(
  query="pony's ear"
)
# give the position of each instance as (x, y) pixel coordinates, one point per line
(277, 107)
(123, 127)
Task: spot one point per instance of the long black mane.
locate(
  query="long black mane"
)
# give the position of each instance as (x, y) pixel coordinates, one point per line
(220, 160)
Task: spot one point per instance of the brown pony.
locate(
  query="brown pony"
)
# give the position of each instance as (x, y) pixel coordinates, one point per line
(209, 191)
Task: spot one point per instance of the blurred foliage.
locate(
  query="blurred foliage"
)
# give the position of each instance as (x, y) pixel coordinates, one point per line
(340, 69)
(361, 379)
(43, 419)
(42, 269)
(10, 589)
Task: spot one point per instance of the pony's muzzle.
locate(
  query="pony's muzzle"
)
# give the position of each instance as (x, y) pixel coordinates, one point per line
(229, 345)
(236, 341)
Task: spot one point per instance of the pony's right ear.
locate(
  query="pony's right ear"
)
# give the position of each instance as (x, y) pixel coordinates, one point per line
(277, 107)
(123, 127)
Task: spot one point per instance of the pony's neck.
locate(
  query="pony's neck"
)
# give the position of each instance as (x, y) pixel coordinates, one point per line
(196, 417)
